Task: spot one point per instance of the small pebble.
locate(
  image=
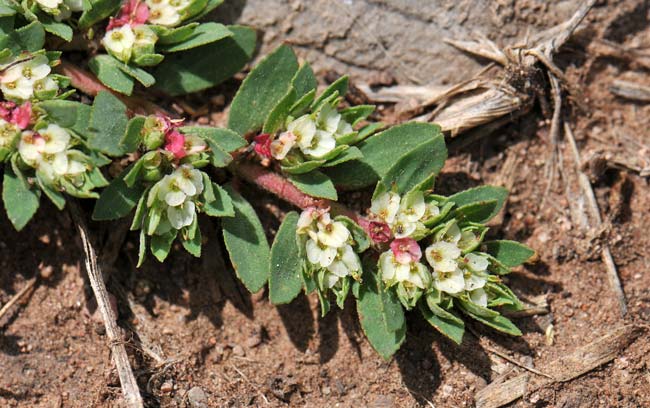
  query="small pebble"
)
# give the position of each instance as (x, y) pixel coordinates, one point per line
(166, 387)
(197, 398)
(238, 351)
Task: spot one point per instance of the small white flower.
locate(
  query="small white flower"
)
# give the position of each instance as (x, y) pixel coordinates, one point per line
(49, 4)
(345, 263)
(195, 145)
(328, 119)
(403, 227)
(20, 89)
(182, 215)
(8, 133)
(334, 234)
(411, 274)
(319, 254)
(450, 282)
(145, 40)
(385, 206)
(281, 146)
(175, 189)
(307, 219)
(432, 210)
(476, 263)
(304, 128)
(412, 206)
(164, 14)
(479, 297)
(442, 256)
(343, 129)
(56, 138)
(75, 164)
(321, 144)
(119, 42)
(17, 82)
(452, 234)
(50, 141)
(45, 85)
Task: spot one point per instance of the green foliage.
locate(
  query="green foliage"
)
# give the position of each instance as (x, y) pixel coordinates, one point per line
(285, 279)
(108, 122)
(491, 197)
(202, 35)
(20, 199)
(246, 243)
(117, 200)
(509, 253)
(262, 89)
(109, 73)
(315, 184)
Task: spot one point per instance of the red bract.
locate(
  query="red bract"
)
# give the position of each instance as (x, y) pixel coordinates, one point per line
(379, 231)
(133, 12)
(263, 145)
(6, 109)
(21, 115)
(406, 250)
(175, 143)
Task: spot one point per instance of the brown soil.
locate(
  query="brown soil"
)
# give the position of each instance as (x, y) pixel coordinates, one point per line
(200, 328)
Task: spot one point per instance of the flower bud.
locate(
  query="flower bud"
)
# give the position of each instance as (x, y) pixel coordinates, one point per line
(153, 174)
(145, 41)
(152, 160)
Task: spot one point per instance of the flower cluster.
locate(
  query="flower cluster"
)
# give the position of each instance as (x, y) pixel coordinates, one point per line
(328, 247)
(131, 36)
(455, 269)
(60, 9)
(401, 216)
(27, 77)
(173, 200)
(311, 136)
(50, 151)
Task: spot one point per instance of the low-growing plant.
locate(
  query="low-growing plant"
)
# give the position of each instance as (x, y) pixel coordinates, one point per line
(408, 249)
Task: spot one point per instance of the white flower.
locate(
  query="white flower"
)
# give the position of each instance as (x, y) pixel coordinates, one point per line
(175, 189)
(412, 206)
(8, 133)
(402, 227)
(45, 85)
(343, 129)
(145, 40)
(49, 4)
(17, 81)
(319, 254)
(450, 282)
(119, 42)
(179, 4)
(332, 233)
(328, 119)
(452, 234)
(474, 271)
(476, 263)
(432, 210)
(164, 14)
(304, 129)
(75, 164)
(345, 263)
(194, 145)
(49, 141)
(385, 206)
(321, 144)
(392, 271)
(479, 297)
(281, 146)
(442, 256)
(307, 219)
(182, 215)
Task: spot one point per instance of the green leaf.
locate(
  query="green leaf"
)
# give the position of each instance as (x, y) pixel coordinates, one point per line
(482, 193)
(210, 5)
(21, 201)
(117, 200)
(262, 90)
(110, 74)
(68, 114)
(285, 277)
(352, 153)
(489, 317)
(304, 167)
(509, 253)
(139, 74)
(246, 243)
(162, 244)
(228, 140)
(304, 81)
(193, 245)
(375, 322)
(204, 34)
(444, 321)
(206, 66)
(54, 195)
(476, 212)
(356, 114)
(218, 157)
(61, 30)
(148, 60)
(175, 35)
(340, 86)
(108, 121)
(132, 138)
(98, 10)
(420, 164)
(380, 153)
(278, 115)
(30, 37)
(315, 184)
(222, 206)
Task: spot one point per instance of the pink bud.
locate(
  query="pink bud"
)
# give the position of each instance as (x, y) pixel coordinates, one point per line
(175, 143)
(263, 145)
(133, 12)
(6, 109)
(140, 12)
(379, 231)
(406, 250)
(21, 115)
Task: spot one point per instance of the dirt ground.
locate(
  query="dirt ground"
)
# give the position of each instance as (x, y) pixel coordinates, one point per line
(198, 339)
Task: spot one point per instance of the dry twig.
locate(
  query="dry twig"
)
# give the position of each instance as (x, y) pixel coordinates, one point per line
(130, 390)
(594, 213)
(17, 297)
